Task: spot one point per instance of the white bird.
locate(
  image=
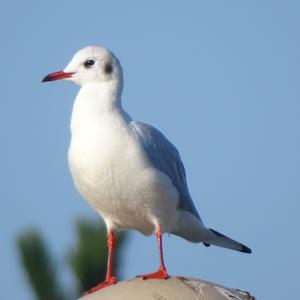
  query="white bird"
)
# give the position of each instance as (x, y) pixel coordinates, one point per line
(128, 171)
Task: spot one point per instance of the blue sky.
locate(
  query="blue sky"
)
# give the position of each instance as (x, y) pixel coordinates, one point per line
(220, 79)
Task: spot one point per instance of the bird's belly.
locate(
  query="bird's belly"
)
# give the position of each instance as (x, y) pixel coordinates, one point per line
(121, 186)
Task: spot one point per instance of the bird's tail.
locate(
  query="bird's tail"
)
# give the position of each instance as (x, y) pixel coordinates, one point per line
(192, 229)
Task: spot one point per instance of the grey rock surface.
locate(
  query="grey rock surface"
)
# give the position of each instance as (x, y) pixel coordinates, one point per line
(174, 288)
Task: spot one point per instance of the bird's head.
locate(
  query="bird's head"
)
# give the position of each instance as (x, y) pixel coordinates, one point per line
(90, 64)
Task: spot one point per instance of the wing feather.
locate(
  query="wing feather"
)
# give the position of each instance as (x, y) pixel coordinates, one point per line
(165, 157)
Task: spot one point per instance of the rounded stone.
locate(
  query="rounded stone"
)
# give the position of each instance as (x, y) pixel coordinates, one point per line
(174, 288)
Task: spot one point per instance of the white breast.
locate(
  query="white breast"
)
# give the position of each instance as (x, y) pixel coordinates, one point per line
(113, 174)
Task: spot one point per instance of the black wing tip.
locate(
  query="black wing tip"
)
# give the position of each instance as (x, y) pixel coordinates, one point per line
(245, 249)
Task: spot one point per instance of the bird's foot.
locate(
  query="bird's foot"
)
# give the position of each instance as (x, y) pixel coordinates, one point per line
(160, 274)
(104, 284)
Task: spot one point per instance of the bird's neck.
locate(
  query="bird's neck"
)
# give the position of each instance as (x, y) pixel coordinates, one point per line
(95, 101)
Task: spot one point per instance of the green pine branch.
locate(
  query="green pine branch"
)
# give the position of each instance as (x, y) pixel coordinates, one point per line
(87, 260)
(38, 265)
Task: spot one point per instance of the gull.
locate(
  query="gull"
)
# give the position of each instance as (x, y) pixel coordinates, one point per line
(127, 171)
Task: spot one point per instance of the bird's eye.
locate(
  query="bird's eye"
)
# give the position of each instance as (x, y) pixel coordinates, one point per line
(89, 63)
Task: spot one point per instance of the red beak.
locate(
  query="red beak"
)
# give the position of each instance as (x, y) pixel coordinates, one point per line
(57, 75)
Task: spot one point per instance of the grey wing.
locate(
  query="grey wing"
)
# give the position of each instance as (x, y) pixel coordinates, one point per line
(165, 157)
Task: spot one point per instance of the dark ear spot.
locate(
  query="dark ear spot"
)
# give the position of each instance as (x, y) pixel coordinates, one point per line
(108, 68)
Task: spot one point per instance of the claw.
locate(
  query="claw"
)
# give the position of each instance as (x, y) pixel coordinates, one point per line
(104, 284)
(160, 274)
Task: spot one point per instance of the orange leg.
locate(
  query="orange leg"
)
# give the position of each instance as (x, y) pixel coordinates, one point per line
(161, 273)
(109, 280)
